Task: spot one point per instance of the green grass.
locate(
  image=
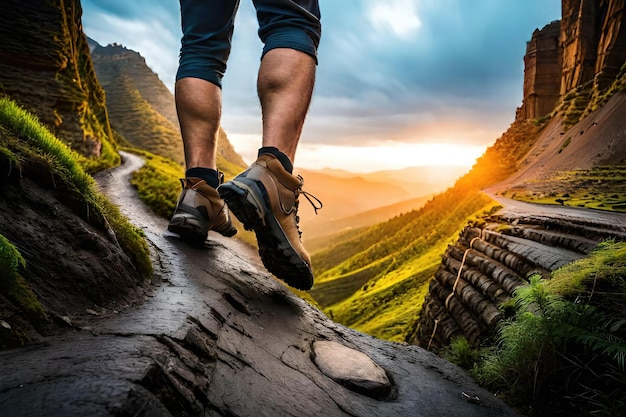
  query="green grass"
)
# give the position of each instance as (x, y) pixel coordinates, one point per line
(380, 290)
(564, 351)
(602, 188)
(26, 144)
(158, 183)
(13, 286)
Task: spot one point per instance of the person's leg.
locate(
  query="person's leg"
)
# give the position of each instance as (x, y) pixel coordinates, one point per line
(290, 31)
(265, 196)
(207, 27)
(207, 31)
(285, 86)
(199, 108)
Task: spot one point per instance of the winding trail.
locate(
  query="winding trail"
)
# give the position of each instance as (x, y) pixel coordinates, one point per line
(219, 336)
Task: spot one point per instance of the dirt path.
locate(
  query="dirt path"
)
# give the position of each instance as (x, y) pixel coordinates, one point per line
(218, 336)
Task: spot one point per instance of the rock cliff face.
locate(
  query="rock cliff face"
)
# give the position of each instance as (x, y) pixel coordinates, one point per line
(45, 66)
(542, 72)
(589, 54)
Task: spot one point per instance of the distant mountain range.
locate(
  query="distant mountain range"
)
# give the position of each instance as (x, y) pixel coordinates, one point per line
(358, 200)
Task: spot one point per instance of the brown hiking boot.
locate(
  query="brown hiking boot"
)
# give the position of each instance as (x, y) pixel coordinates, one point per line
(265, 199)
(199, 210)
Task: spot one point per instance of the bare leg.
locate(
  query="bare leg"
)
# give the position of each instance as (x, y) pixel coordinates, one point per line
(199, 106)
(285, 85)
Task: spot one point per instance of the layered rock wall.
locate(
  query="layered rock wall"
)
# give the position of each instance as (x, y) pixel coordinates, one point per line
(45, 66)
(487, 264)
(588, 52)
(542, 72)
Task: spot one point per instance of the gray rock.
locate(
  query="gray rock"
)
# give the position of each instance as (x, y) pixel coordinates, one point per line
(352, 369)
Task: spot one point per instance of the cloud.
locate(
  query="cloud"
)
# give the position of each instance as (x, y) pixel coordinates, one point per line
(398, 15)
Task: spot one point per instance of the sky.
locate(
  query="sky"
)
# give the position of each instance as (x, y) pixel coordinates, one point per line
(399, 82)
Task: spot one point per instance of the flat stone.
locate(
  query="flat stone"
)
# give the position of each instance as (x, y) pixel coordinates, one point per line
(352, 369)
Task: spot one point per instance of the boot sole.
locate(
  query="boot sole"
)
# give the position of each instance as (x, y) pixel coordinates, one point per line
(188, 223)
(248, 202)
(187, 231)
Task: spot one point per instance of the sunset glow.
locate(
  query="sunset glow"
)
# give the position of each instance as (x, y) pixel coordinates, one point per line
(360, 159)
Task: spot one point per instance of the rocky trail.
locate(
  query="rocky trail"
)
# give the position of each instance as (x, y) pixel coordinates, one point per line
(218, 336)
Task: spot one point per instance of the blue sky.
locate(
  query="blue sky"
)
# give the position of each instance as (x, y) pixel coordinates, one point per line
(399, 82)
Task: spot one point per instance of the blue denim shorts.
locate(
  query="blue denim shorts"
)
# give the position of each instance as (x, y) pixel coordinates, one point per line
(208, 28)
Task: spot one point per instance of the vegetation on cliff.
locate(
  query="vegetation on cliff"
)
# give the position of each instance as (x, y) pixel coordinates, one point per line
(46, 68)
(563, 352)
(26, 144)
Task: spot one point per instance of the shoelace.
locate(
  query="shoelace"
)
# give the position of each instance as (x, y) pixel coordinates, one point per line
(311, 199)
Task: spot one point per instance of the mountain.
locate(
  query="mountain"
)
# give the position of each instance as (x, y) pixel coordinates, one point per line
(321, 232)
(141, 107)
(343, 197)
(45, 67)
(416, 181)
(357, 200)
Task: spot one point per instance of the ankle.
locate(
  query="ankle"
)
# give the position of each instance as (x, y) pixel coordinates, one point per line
(209, 175)
(282, 158)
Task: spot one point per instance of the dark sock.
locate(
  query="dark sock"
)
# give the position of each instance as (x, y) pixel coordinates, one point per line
(209, 175)
(284, 159)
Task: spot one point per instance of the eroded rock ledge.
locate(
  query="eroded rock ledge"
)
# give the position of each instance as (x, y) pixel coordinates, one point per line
(487, 264)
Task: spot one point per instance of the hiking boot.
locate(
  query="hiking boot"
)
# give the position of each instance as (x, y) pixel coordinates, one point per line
(199, 210)
(265, 199)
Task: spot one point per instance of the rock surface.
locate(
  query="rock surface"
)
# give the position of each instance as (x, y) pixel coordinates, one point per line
(486, 265)
(45, 67)
(352, 369)
(542, 72)
(218, 336)
(586, 48)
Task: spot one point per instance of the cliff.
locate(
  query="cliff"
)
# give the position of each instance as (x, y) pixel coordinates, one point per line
(542, 72)
(45, 66)
(575, 68)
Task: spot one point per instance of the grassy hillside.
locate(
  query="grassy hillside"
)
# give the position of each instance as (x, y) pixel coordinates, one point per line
(27, 146)
(374, 279)
(137, 121)
(335, 229)
(379, 289)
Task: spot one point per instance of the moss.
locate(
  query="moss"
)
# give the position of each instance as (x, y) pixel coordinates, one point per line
(10, 261)
(13, 286)
(607, 264)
